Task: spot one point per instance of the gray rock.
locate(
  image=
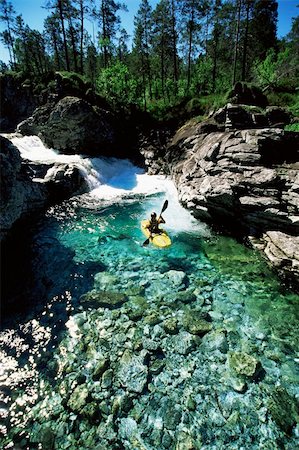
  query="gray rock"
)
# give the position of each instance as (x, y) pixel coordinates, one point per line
(104, 299)
(72, 126)
(245, 179)
(133, 372)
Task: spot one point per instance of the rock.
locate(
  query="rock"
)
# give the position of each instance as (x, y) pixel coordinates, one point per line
(284, 409)
(73, 126)
(215, 340)
(184, 343)
(133, 372)
(15, 92)
(103, 299)
(242, 93)
(245, 179)
(78, 398)
(48, 439)
(104, 280)
(20, 196)
(107, 379)
(101, 365)
(23, 193)
(195, 323)
(177, 278)
(171, 325)
(277, 116)
(243, 364)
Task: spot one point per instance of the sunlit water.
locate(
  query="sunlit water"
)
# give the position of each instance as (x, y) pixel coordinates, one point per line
(130, 347)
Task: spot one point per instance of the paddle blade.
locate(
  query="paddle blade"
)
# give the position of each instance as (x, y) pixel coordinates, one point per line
(145, 243)
(164, 207)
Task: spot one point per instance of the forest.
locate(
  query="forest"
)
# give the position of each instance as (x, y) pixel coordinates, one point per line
(181, 50)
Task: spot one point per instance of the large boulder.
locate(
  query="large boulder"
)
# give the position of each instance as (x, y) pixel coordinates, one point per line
(17, 101)
(28, 187)
(18, 192)
(246, 181)
(73, 125)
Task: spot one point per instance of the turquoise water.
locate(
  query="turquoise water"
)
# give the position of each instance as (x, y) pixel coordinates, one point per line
(132, 347)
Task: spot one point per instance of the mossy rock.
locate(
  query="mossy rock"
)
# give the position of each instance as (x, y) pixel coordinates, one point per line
(78, 399)
(185, 296)
(153, 318)
(171, 325)
(243, 364)
(136, 307)
(284, 409)
(195, 323)
(103, 299)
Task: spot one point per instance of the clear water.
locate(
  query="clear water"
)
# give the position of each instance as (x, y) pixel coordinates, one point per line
(77, 373)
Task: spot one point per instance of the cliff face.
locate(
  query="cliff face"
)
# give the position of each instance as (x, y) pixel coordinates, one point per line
(27, 187)
(245, 181)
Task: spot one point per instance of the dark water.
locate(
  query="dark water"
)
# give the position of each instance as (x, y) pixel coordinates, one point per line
(190, 347)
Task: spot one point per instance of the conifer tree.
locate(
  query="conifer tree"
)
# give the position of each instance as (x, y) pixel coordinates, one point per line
(141, 48)
(8, 16)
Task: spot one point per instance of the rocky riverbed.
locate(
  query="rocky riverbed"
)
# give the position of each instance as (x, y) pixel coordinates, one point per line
(192, 347)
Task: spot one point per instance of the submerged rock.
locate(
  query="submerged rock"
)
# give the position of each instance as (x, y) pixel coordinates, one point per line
(78, 398)
(284, 409)
(133, 372)
(243, 364)
(195, 323)
(103, 299)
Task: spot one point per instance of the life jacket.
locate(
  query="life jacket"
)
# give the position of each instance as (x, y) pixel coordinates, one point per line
(154, 226)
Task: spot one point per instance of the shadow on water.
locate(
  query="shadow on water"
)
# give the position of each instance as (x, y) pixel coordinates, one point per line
(119, 174)
(40, 278)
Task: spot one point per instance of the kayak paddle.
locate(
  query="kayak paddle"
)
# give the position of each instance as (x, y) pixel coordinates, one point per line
(162, 211)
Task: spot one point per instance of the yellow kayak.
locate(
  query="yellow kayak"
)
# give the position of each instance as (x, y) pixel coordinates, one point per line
(159, 240)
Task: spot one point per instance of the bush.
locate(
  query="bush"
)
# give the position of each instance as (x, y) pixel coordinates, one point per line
(292, 127)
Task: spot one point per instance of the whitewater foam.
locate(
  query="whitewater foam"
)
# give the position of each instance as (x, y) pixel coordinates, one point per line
(115, 179)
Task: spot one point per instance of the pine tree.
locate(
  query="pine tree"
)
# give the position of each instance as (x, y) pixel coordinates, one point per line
(109, 24)
(55, 43)
(8, 16)
(263, 27)
(141, 48)
(192, 13)
(162, 40)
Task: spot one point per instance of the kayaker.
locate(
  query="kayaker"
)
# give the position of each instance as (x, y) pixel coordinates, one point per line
(154, 223)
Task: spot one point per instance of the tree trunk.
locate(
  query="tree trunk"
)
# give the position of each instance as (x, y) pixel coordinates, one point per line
(81, 34)
(73, 41)
(174, 43)
(64, 36)
(236, 42)
(244, 60)
(190, 48)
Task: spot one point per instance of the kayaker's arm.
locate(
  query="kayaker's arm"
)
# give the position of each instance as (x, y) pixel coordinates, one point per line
(161, 220)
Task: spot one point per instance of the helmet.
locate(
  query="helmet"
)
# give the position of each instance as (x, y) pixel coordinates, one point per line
(153, 214)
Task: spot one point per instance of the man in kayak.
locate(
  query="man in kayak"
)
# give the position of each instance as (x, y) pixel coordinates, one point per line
(154, 223)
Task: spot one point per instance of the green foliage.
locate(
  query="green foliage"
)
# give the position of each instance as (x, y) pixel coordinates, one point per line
(183, 53)
(73, 80)
(117, 84)
(292, 127)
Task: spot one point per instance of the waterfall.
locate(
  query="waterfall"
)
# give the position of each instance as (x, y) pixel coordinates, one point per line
(115, 179)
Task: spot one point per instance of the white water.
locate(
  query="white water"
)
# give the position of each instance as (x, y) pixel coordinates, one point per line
(115, 179)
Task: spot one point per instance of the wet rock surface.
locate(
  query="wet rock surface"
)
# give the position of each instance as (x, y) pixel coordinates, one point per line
(27, 188)
(241, 177)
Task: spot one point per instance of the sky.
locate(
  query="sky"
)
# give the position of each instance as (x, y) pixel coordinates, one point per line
(34, 14)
